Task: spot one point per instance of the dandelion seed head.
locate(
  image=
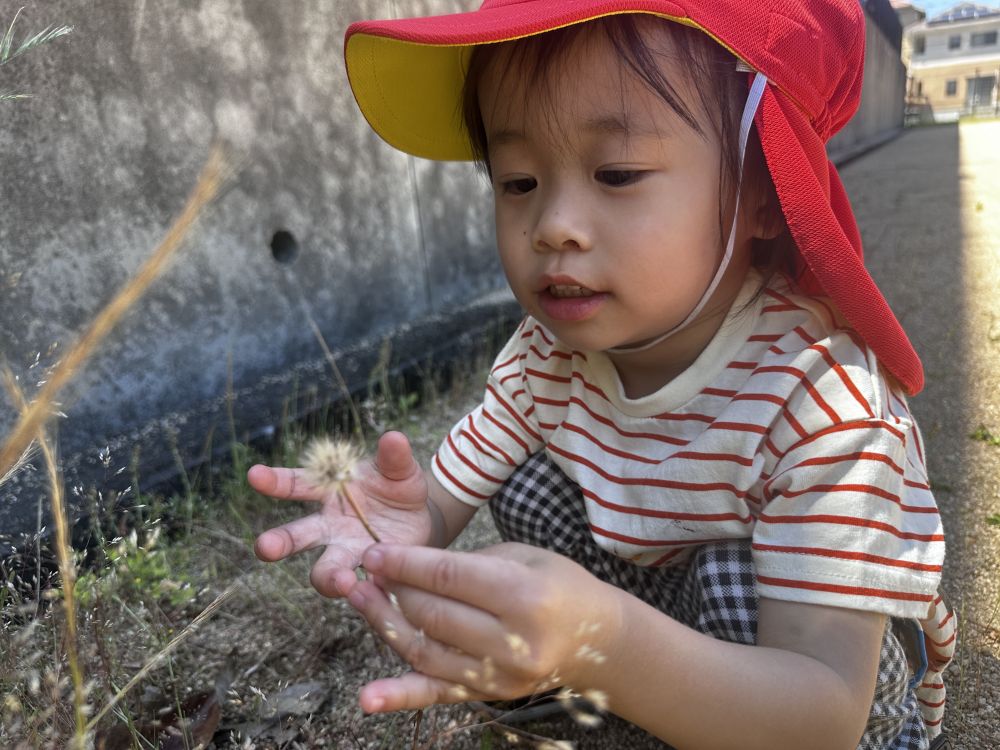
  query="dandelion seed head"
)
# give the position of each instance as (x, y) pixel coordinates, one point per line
(329, 463)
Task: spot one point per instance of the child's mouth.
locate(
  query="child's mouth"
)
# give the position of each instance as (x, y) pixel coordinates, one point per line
(570, 302)
(562, 291)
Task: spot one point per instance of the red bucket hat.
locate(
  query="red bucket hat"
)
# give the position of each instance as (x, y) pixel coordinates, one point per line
(407, 77)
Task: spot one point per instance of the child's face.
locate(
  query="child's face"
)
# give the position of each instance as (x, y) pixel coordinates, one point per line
(607, 203)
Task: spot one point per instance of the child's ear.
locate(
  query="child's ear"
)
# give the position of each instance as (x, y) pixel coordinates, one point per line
(768, 221)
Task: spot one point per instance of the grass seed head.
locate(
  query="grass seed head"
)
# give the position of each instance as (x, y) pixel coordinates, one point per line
(518, 646)
(565, 696)
(390, 631)
(585, 709)
(588, 653)
(597, 698)
(488, 669)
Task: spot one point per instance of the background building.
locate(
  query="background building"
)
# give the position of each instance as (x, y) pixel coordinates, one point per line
(954, 62)
(908, 15)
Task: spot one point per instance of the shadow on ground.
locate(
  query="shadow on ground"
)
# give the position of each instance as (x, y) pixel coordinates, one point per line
(928, 205)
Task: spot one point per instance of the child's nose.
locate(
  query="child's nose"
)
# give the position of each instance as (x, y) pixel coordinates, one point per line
(561, 225)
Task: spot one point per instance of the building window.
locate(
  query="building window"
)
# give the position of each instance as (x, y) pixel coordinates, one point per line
(919, 44)
(984, 39)
(950, 88)
(979, 92)
(955, 41)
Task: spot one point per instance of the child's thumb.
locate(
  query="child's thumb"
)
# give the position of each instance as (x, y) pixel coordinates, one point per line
(394, 457)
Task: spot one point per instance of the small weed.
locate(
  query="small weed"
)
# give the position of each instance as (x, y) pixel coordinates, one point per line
(138, 565)
(993, 519)
(983, 434)
(939, 485)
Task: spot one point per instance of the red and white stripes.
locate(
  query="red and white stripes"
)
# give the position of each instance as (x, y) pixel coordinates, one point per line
(783, 431)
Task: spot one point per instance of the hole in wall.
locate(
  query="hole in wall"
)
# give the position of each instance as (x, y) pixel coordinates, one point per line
(284, 246)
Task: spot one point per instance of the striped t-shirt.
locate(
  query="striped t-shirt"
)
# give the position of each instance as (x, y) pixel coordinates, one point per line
(783, 430)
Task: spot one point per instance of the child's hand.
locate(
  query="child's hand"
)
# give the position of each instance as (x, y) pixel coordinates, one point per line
(391, 491)
(504, 622)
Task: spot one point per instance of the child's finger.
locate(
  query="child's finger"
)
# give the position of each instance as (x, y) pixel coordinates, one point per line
(333, 573)
(289, 539)
(420, 650)
(282, 483)
(412, 691)
(467, 577)
(452, 622)
(394, 457)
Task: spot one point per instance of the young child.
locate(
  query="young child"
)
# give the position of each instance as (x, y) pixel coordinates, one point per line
(697, 444)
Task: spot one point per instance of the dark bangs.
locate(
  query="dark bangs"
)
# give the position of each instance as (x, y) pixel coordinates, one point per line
(722, 93)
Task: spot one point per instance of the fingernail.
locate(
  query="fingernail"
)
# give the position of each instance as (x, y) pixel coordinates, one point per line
(376, 705)
(356, 598)
(373, 559)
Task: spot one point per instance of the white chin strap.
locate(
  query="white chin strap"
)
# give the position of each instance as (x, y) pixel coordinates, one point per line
(749, 111)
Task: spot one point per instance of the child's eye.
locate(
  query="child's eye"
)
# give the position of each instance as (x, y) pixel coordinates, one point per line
(618, 177)
(520, 186)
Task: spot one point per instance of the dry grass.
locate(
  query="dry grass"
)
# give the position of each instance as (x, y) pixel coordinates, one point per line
(31, 427)
(146, 642)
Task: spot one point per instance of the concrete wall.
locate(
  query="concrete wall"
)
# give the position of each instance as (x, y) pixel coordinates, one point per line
(880, 115)
(99, 162)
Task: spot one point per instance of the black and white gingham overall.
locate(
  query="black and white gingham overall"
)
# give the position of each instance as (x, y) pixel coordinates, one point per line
(713, 592)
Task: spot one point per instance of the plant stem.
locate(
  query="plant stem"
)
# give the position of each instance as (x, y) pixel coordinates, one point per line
(342, 489)
(67, 570)
(355, 415)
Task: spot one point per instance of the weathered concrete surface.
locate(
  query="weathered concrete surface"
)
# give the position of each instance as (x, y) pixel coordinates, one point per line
(99, 162)
(880, 115)
(929, 209)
